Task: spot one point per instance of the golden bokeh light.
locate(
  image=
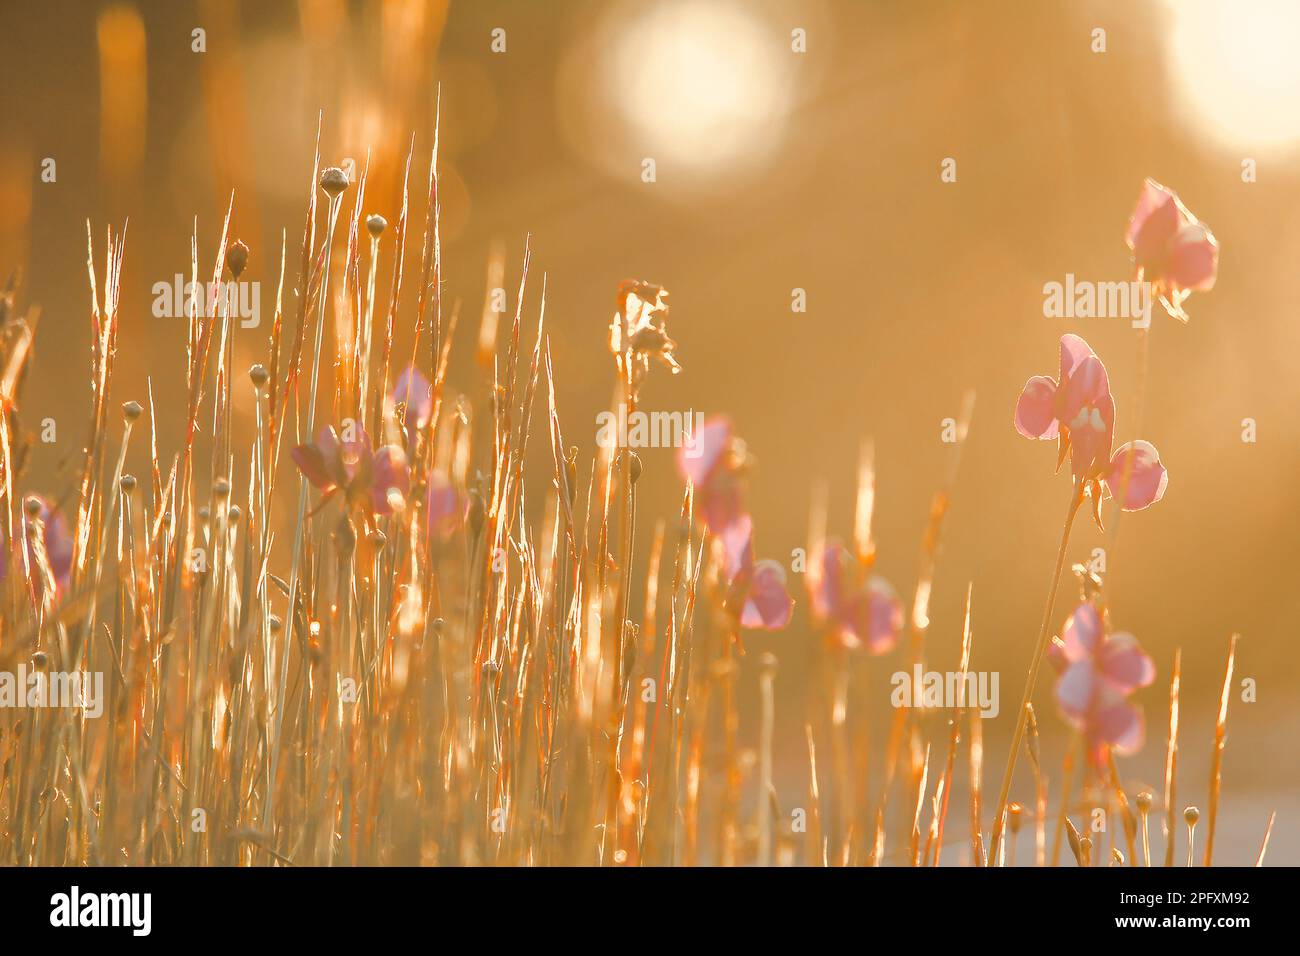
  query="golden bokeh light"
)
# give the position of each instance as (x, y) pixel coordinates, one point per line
(702, 88)
(1235, 67)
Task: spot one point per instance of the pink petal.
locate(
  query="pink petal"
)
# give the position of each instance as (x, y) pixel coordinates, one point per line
(1092, 429)
(311, 463)
(1147, 477)
(1035, 417)
(1081, 634)
(701, 455)
(58, 544)
(1073, 351)
(827, 589)
(1075, 690)
(1087, 384)
(885, 616)
(414, 390)
(389, 473)
(1154, 222)
(719, 501)
(738, 548)
(446, 507)
(356, 458)
(1120, 725)
(1193, 258)
(768, 604)
(1124, 665)
(1056, 655)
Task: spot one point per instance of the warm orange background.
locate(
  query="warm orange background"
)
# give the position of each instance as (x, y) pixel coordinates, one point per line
(916, 289)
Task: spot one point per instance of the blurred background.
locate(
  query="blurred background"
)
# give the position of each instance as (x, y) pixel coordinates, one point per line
(774, 170)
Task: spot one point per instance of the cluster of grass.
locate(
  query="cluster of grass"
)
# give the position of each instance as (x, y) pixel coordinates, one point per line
(424, 676)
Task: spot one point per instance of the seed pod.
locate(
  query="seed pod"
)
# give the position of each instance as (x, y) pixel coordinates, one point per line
(235, 514)
(221, 488)
(333, 180)
(131, 410)
(259, 376)
(237, 258)
(1191, 815)
(376, 224)
(128, 483)
(32, 506)
(633, 466)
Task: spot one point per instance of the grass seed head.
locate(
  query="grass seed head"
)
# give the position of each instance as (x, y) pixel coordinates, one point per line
(237, 258)
(333, 180)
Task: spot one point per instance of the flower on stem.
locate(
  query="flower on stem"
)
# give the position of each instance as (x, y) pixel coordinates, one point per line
(1078, 410)
(715, 462)
(756, 591)
(1172, 249)
(1098, 672)
(375, 480)
(861, 610)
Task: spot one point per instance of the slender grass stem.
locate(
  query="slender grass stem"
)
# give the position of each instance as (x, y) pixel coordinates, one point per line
(1040, 647)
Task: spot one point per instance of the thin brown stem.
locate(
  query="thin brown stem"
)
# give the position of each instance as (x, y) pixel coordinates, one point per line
(999, 817)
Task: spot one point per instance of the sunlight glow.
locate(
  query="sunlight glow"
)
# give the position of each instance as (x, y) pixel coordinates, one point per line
(1235, 65)
(699, 80)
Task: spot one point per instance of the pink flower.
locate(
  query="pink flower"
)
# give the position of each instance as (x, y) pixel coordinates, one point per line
(1079, 411)
(714, 462)
(860, 613)
(1099, 671)
(446, 506)
(1172, 249)
(58, 546)
(369, 478)
(756, 591)
(416, 394)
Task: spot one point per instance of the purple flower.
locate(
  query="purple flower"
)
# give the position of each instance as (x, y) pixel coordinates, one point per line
(1172, 249)
(1098, 672)
(756, 591)
(713, 460)
(58, 547)
(1078, 410)
(861, 611)
(368, 477)
(446, 506)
